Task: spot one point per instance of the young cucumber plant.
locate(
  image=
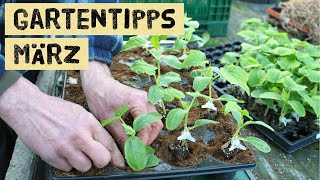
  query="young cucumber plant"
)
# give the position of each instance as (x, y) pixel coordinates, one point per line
(282, 73)
(238, 114)
(137, 155)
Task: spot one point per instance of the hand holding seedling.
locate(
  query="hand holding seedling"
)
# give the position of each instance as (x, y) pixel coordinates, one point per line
(105, 95)
(63, 134)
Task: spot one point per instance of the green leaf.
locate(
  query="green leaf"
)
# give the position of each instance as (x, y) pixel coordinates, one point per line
(314, 102)
(168, 78)
(144, 120)
(312, 50)
(258, 123)
(236, 75)
(229, 58)
(238, 117)
(129, 130)
(186, 105)
(256, 93)
(248, 62)
(155, 94)
(297, 107)
(256, 77)
(134, 42)
(287, 63)
(292, 85)
(282, 51)
(202, 122)
(155, 41)
(152, 161)
(174, 118)
(156, 53)
(248, 35)
(175, 92)
(135, 153)
(312, 75)
(227, 97)
(179, 44)
(249, 48)
(200, 83)
(195, 58)
(141, 67)
(121, 111)
(193, 24)
(109, 121)
(150, 150)
(257, 143)
(230, 106)
(271, 95)
(171, 61)
(277, 76)
(195, 73)
(208, 72)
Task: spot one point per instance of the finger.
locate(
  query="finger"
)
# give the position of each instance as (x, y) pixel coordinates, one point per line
(78, 160)
(59, 163)
(97, 153)
(155, 130)
(103, 137)
(139, 107)
(144, 134)
(118, 134)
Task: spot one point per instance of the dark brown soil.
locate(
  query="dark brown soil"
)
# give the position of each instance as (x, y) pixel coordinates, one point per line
(198, 150)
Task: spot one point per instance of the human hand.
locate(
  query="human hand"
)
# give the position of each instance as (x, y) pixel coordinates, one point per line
(104, 95)
(63, 134)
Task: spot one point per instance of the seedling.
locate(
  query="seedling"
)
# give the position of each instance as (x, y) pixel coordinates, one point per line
(238, 113)
(137, 155)
(283, 73)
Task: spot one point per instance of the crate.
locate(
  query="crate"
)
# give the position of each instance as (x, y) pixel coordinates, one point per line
(213, 15)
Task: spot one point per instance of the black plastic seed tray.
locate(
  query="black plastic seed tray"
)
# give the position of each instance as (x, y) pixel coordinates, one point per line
(215, 53)
(287, 140)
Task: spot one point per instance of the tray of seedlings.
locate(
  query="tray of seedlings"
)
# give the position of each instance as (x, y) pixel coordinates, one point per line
(279, 81)
(201, 135)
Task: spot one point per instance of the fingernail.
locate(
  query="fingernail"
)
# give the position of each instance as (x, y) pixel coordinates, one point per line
(122, 165)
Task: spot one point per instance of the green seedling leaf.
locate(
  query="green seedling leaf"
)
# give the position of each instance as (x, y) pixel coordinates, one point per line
(282, 51)
(150, 150)
(312, 50)
(195, 58)
(249, 48)
(109, 121)
(167, 97)
(227, 97)
(314, 102)
(186, 105)
(134, 42)
(258, 123)
(208, 72)
(248, 35)
(230, 58)
(290, 84)
(174, 118)
(156, 53)
(287, 63)
(144, 120)
(236, 75)
(257, 143)
(258, 92)
(171, 61)
(141, 67)
(312, 75)
(248, 62)
(198, 94)
(168, 78)
(121, 111)
(129, 130)
(193, 24)
(200, 83)
(155, 94)
(257, 77)
(135, 153)
(155, 40)
(195, 73)
(238, 117)
(297, 107)
(179, 44)
(271, 95)
(277, 76)
(175, 92)
(202, 122)
(152, 161)
(230, 106)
